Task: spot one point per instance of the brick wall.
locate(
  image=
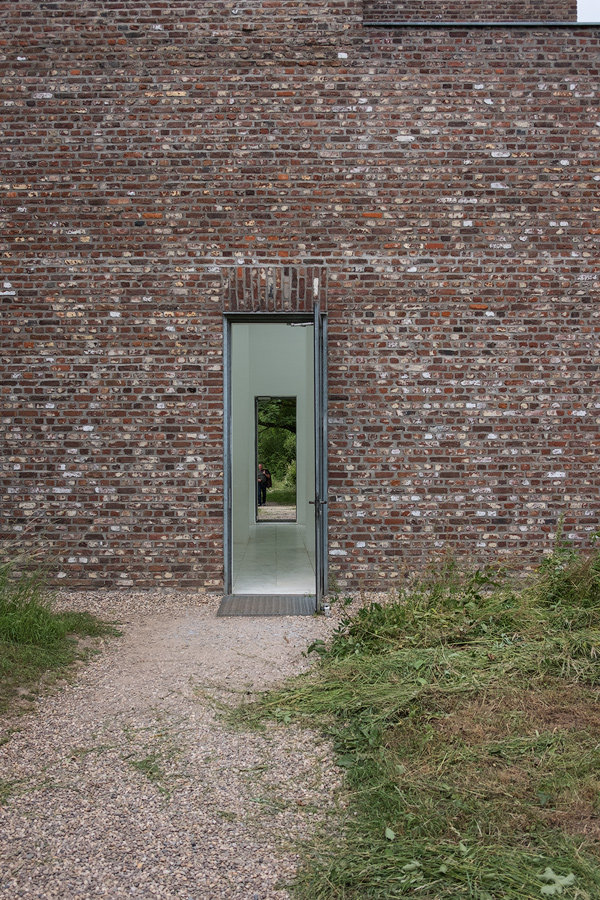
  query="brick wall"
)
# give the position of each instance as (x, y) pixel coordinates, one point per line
(470, 10)
(447, 180)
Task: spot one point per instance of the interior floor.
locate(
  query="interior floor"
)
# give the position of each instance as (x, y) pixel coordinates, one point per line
(275, 560)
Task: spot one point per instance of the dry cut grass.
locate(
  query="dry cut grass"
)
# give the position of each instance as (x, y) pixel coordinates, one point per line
(466, 714)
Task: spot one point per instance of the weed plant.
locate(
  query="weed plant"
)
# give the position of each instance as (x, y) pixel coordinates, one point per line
(465, 714)
(34, 639)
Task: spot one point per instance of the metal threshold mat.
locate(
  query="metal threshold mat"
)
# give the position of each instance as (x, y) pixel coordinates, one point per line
(268, 605)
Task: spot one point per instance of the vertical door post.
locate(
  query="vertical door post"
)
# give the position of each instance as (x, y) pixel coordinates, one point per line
(320, 412)
(227, 461)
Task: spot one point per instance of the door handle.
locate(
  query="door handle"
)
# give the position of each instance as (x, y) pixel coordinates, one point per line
(322, 502)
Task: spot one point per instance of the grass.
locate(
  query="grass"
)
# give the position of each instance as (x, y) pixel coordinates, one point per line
(285, 497)
(156, 760)
(465, 714)
(35, 641)
(150, 767)
(281, 494)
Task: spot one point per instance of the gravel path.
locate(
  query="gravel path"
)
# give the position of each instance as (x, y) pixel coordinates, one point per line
(127, 783)
(276, 514)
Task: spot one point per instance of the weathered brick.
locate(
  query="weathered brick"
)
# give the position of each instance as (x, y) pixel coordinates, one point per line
(165, 165)
(470, 11)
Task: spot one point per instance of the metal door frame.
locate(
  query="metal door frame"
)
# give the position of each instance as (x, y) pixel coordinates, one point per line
(319, 323)
(320, 418)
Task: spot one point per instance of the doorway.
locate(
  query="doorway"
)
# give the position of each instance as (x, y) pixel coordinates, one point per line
(274, 377)
(275, 428)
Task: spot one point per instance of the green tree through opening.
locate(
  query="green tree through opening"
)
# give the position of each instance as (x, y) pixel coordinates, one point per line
(276, 444)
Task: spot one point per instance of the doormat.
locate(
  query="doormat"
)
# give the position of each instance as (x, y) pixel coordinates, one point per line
(268, 605)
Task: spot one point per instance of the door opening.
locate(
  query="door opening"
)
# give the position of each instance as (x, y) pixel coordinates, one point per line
(270, 417)
(276, 464)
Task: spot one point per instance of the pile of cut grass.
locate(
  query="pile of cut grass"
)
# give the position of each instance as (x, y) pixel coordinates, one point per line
(35, 641)
(466, 717)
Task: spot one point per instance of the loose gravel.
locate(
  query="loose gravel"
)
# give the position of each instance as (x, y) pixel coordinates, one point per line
(127, 782)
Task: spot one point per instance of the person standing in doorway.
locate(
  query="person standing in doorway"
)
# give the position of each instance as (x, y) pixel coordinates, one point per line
(262, 485)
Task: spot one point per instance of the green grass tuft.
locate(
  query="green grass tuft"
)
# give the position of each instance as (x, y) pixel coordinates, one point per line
(34, 640)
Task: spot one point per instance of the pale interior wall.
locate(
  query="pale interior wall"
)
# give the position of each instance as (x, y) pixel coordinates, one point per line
(309, 442)
(270, 360)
